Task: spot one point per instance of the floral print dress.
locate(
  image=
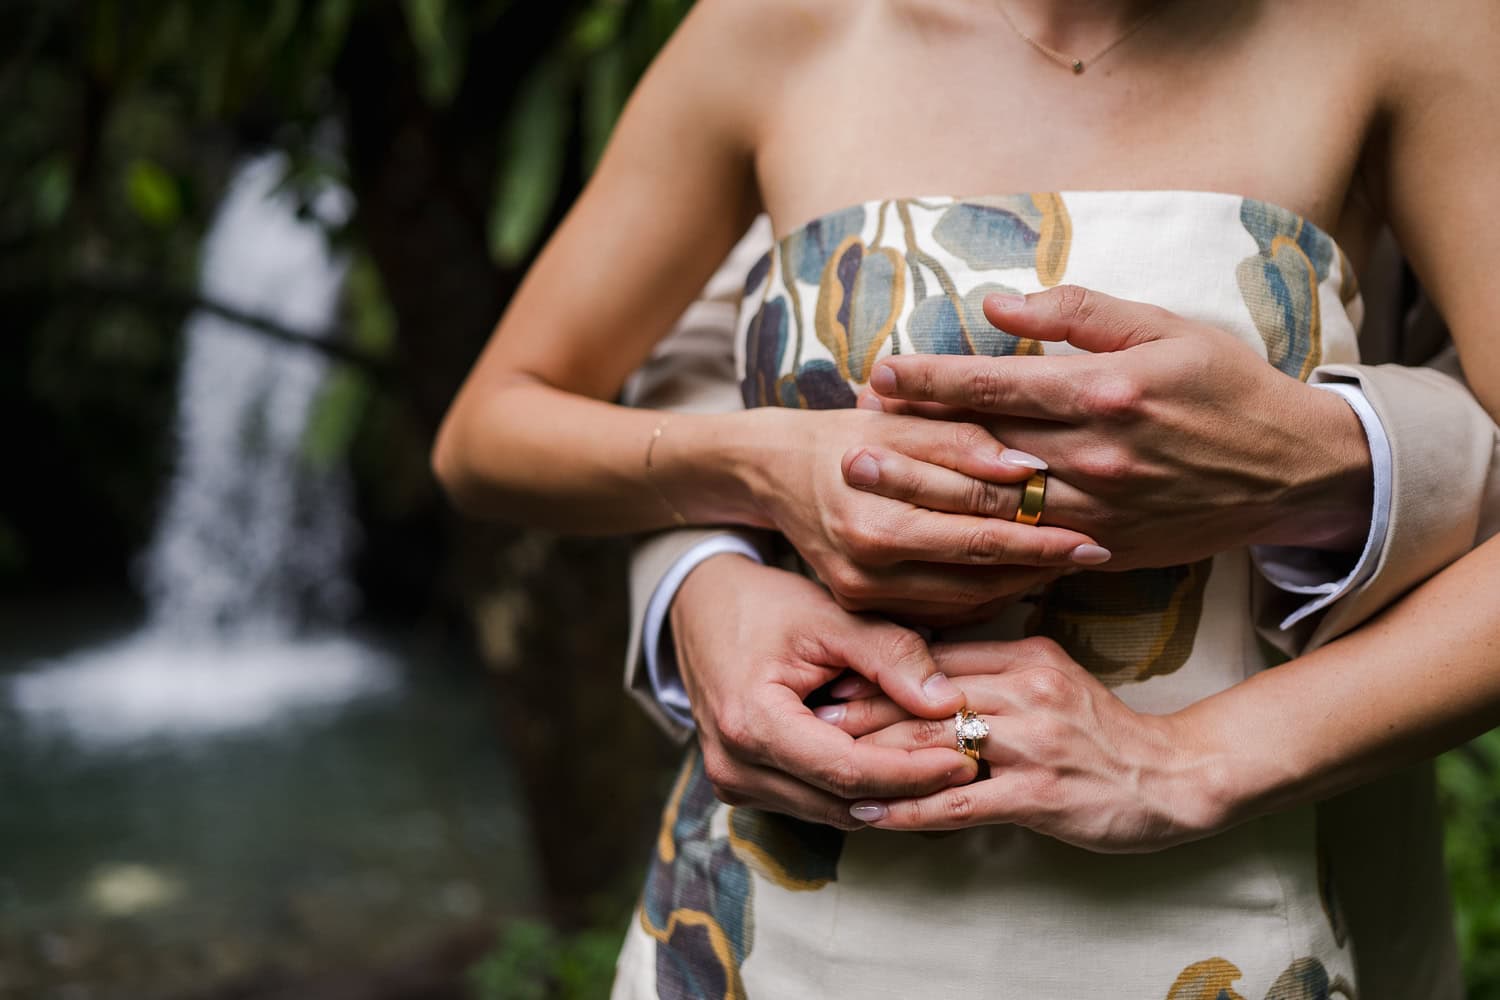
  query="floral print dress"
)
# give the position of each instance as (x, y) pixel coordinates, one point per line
(743, 903)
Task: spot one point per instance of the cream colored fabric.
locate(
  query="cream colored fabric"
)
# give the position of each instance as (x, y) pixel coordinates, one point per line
(1404, 946)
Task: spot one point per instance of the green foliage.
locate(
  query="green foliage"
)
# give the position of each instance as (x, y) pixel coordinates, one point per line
(152, 193)
(438, 33)
(530, 166)
(532, 961)
(582, 86)
(1469, 779)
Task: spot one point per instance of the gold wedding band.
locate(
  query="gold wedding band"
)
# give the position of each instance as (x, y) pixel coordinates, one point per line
(1030, 511)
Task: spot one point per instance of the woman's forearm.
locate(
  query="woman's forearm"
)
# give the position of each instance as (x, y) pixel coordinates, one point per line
(1420, 679)
(531, 453)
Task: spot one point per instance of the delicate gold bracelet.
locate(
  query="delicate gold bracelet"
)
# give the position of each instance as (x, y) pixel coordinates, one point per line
(661, 425)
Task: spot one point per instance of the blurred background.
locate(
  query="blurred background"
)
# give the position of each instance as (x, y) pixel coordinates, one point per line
(273, 722)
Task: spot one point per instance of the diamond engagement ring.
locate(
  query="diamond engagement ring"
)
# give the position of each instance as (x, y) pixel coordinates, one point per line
(968, 730)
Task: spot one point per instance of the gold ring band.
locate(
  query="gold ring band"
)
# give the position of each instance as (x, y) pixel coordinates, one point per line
(1032, 497)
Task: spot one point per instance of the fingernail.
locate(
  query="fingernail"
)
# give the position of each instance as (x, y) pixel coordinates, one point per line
(1091, 555)
(868, 812)
(1022, 459)
(869, 401)
(1004, 301)
(846, 687)
(939, 687)
(883, 379)
(830, 713)
(864, 471)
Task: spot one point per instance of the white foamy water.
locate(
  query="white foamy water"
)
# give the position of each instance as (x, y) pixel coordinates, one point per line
(156, 684)
(252, 544)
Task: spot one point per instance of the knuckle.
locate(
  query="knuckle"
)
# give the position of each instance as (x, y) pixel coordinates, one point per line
(958, 808)
(1116, 397)
(866, 542)
(721, 774)
(985, 498)
(904, 646)
(971, 437)
(842, 777)
(1042, 647)
(736, 732)
(984, 545)
(853, 605)
(932, 732)
(1048, 687)
(1107, 463)
(987, 388)
(1075, 304)
(906, 482)
(731, 796)
(846, 581)
(924, 378)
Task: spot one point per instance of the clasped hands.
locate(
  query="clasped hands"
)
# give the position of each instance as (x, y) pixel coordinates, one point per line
(1169, 442)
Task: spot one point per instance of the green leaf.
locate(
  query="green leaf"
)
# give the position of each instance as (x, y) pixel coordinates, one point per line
(598, 26)
(372, 321)
(152, 193)
(279, 21)
(437, 33)
(604, 92)
(330, 26)
(530, 171)
(520, 966)
(335, 417)
(53, 190)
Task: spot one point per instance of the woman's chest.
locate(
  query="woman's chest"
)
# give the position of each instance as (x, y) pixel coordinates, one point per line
(1252, 110)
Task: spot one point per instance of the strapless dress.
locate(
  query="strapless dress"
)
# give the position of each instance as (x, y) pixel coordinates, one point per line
(744, 903)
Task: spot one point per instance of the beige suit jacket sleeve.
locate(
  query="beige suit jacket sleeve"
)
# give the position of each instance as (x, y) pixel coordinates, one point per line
(1445, 452)
(692, 370)
(1445, 491)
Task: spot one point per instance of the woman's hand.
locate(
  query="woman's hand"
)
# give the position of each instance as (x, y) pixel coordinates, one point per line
(881, 553)
(1067, 758)
(1171, 442)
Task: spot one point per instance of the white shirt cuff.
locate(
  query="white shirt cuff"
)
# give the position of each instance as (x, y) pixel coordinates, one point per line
(1307, 571)
(661, 655)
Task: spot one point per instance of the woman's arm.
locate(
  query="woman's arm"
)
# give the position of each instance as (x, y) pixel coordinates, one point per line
(1433, 165)
(529, 435)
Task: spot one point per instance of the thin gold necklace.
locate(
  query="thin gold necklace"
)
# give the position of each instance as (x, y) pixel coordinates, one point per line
(1076, 64)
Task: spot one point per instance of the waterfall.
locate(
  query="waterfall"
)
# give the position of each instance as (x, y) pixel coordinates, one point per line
(250, 538)
(246, 576)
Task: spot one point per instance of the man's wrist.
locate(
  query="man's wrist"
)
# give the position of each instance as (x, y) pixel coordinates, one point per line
(706, 580)
(1331, 498)
(657, 640)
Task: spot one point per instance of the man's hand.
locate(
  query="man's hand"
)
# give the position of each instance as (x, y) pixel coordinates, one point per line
(1171, 442)
(752, 643)
(1067, 758)
(876, 552)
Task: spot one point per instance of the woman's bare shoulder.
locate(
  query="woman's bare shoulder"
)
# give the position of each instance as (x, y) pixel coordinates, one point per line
(776, 28)
(1430, 50)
